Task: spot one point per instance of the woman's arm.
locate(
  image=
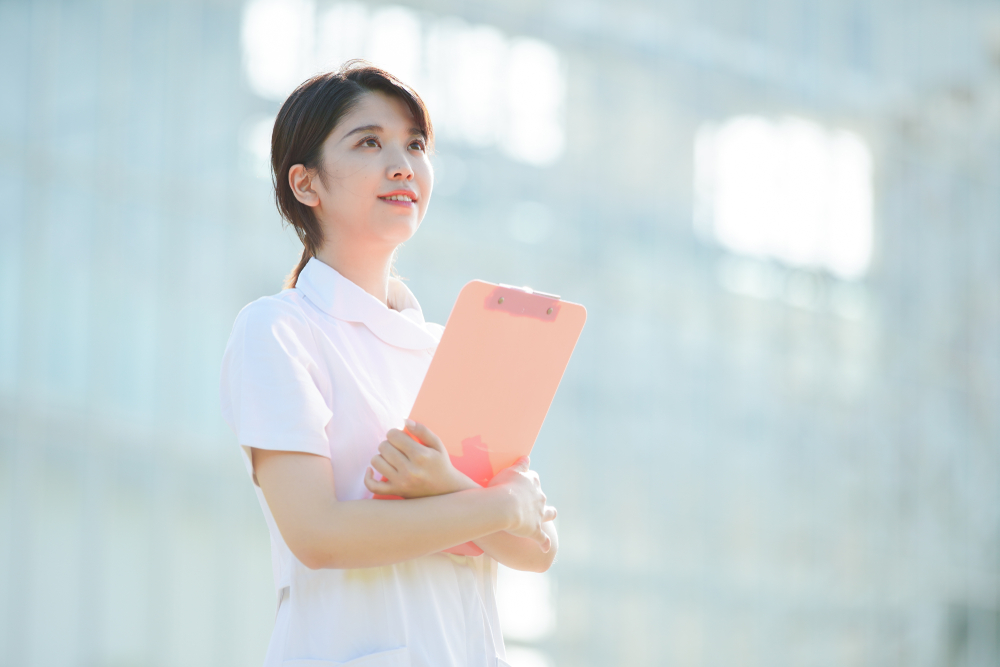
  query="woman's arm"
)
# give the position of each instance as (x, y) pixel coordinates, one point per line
(413, 469)
(323, 532)
(519, 553)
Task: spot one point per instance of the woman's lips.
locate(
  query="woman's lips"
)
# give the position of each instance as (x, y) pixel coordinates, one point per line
(405, 200)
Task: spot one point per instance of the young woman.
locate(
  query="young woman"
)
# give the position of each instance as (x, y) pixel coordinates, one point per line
(316, 383)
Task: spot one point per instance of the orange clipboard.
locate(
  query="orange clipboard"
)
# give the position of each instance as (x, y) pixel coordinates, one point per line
(493, 377)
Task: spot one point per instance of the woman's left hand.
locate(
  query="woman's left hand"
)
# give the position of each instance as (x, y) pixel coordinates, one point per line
(414, 465)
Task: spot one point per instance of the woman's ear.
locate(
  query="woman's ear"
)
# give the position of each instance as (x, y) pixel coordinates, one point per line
(300, 180)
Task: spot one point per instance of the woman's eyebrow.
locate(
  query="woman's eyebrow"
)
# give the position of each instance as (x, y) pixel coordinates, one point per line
(415, 131)
(364, 128)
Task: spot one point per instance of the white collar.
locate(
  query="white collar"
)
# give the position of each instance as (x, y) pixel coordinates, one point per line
(401, 325)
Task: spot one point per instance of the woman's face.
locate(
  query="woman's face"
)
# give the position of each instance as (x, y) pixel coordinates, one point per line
(376, 178)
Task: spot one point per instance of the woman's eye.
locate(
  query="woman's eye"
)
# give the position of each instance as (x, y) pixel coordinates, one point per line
(370, 142)
(417, 146)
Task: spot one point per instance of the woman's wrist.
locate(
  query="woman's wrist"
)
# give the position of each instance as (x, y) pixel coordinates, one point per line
(461, 482)
(499, 503)
(505, 503)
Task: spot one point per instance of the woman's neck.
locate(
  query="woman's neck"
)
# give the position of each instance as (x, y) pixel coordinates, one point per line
(368, 270)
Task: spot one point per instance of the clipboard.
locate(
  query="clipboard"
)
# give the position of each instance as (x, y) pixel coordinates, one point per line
(493, 377)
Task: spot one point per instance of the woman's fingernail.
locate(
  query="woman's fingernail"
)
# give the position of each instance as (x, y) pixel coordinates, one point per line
(410, 423)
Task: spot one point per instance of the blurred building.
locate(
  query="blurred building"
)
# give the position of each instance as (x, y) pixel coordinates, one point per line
(778, 441)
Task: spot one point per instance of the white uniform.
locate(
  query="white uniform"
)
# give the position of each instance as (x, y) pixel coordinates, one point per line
(326, 368)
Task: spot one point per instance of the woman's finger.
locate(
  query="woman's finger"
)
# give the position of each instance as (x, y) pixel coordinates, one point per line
(382, 466)
(549, 514)
(410, 448)
(376, 486)
(425, 436)
(544, 541)
(521, 465)
(391, 453)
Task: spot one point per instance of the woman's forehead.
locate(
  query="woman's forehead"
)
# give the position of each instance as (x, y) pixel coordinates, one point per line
(387, 112)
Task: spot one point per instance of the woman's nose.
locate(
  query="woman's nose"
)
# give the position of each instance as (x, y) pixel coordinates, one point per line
(400, 168)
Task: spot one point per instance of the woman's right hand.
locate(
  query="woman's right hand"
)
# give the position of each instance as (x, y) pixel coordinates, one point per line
(528, 509)
(414, 465)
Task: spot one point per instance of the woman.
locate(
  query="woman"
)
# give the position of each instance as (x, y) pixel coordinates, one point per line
(317, 381)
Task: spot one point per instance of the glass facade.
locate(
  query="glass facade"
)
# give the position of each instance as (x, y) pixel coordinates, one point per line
(756, 462)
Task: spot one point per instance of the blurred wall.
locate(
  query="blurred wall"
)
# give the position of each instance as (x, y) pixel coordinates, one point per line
(741, 480)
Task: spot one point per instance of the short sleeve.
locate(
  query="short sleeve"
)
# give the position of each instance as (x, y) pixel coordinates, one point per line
(271, 382)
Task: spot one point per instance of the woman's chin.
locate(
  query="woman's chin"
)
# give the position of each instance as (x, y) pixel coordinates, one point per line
(399, 230)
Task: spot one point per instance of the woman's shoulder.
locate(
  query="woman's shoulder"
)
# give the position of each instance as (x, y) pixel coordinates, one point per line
(280, 315)
(286, 305)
